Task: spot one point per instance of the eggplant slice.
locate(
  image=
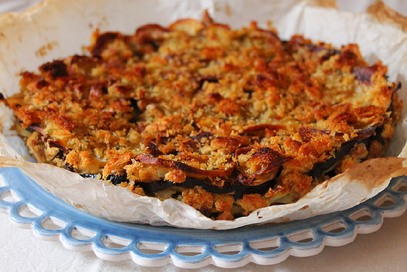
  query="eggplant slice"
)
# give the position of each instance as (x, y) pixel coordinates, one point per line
(227, 121)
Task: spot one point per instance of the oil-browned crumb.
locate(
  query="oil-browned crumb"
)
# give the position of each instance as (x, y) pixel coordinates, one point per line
(199, 100)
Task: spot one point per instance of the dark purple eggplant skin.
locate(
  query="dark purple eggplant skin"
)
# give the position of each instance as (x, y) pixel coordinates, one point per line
(319, 169)
(364, 74)
(238, 190)
(150, 188)
(398, 87)
(153, 150)
(202, 135)
(31, 128)
(115, 180)
(329, 52)
(59, 146)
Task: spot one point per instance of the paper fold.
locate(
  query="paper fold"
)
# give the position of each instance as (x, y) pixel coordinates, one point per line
(64, 27)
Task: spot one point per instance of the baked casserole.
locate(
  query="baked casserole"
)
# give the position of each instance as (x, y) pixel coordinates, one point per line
(225, 120)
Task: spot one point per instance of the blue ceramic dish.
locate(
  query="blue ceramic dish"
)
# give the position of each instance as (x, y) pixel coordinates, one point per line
(29, 205)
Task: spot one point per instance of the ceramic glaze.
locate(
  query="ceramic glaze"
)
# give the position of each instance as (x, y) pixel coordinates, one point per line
(146, 245)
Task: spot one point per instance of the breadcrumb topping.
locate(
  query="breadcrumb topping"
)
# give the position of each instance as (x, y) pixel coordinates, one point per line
(227, 108)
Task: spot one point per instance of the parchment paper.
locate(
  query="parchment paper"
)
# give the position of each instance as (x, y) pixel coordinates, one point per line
(57, 29)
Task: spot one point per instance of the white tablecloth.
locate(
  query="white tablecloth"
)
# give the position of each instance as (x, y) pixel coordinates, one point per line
(384, 250)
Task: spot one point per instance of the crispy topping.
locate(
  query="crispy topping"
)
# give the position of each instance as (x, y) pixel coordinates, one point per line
(201, 101)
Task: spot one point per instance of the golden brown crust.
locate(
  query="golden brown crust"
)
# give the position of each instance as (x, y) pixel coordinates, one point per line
(230, 109)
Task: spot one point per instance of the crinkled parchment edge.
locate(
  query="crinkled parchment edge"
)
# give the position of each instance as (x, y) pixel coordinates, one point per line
(103, 199)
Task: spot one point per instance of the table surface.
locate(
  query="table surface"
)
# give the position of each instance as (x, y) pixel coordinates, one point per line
(383, 250)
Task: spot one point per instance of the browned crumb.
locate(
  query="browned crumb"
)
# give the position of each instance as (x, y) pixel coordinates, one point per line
(201, 101)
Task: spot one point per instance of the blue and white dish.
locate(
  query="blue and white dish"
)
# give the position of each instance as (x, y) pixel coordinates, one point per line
(29, 205)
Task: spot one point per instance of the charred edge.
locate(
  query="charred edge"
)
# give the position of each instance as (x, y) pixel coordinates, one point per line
(136, 111)
(115, 180)
(60, 155)
(273, 35)
(89, 175)
(153, 150)
(138, 54)
(367, 132)
(398, 87)
(365, 135)
(249, 92)
(1, 96)
(63, 151)
(41, 83)
(55, 69)
(364, 138)
(104, 90)
(151, 188)
(238, 190)
(155, 45)
(329, 52)
(319, 169)
(102, 41)
(57, 145)
(261, 128)
(208, 79)
(247, 180)
(377, 136)
(69, 167)
(243, 150)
